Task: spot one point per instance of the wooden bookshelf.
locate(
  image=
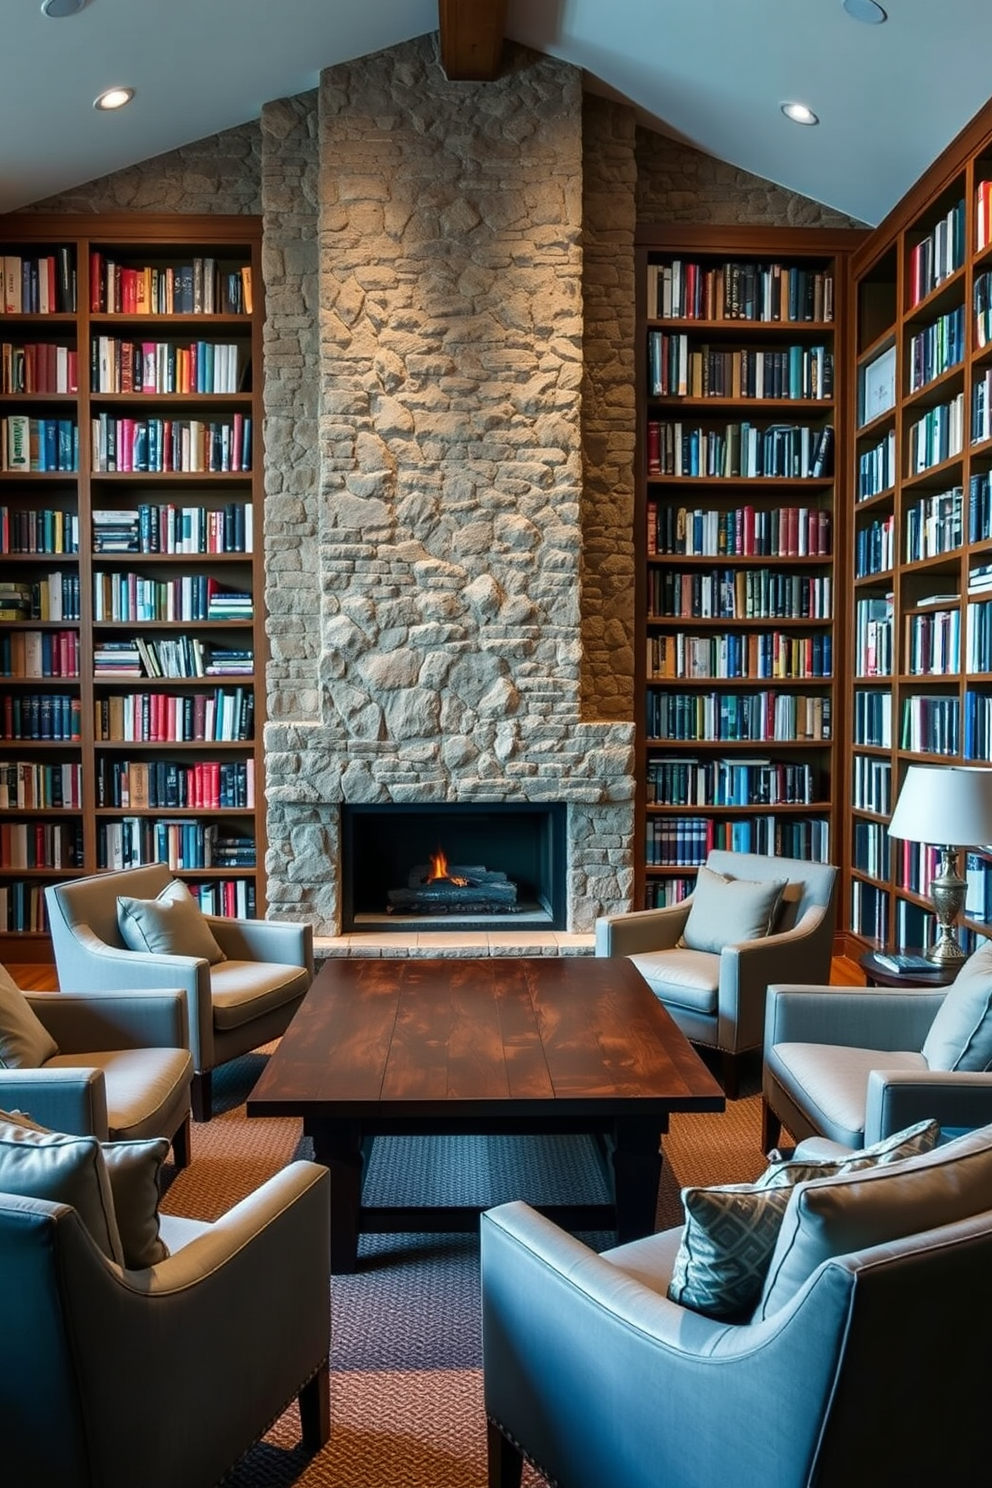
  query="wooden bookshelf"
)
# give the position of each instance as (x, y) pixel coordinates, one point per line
(132, 696)
(922, 470)
(742, 424)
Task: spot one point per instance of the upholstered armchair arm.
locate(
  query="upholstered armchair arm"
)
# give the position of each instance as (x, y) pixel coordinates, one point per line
(597, 1374)
(80, 1021)
(854, 1017)
(642, 930)
(898, 1098)
(264, 940)
(746, 970)
(64, 1100)
(99, 967)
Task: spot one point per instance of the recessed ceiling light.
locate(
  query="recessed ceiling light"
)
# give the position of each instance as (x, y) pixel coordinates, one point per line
(799, 113)
(865, 10)
(56, 9)
(113, 98)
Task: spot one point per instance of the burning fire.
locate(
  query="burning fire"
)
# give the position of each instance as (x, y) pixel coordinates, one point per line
(439, 870)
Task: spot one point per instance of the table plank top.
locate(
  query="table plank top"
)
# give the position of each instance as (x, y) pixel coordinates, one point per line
(391, 1037)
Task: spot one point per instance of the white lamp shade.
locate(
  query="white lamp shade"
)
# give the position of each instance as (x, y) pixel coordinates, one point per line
(948, 805)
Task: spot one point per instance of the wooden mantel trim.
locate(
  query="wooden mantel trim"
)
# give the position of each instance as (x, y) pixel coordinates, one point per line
(472, 39)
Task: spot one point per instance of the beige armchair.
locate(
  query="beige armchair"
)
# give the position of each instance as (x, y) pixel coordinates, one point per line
(717, 997)
(165, 1376)
(113, 1066)
(235, 1005)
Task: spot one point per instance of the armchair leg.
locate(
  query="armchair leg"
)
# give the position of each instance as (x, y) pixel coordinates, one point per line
(730, 1071)
(315, 1409)
(181, 1146)
(771, 1127)
(506, 1464)
(201, 1095)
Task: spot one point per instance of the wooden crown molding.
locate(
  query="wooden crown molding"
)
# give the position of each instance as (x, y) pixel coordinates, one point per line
(472, 39)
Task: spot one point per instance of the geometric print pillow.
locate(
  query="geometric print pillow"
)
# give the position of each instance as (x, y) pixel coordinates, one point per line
(727, 1244)
(731, 1229)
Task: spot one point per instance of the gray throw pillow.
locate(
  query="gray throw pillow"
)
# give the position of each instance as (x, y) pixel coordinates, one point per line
(172, 924)
(133, 1169)
(725, 911)
(731, 1230)
(39, 1164)
(25, 1042)
(960, 1036)
(836, 1216)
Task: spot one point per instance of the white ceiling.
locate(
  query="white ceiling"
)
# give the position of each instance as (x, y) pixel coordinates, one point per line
(712, 72)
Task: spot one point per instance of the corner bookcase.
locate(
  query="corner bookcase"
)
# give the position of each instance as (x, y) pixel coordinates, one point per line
(132, 651)
(921, 686)
(742, 426)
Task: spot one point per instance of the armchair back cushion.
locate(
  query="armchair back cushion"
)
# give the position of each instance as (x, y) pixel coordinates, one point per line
(833, 1217)
(960, 1036)
(724, 910)
(25, 1042)
(171, 924)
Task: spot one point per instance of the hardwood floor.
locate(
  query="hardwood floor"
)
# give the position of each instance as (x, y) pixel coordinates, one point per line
(39, 976)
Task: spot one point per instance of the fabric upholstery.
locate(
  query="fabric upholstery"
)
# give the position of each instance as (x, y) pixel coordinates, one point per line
(731, 1229)
(690, 979)
(806, 1165)
(831, 1081)
(960, 1036)
(134, 1170)
(144, 1087)
(38, 1164)
(245, 990)
(25, 1043)
(832, 1217)
(728, 910)
(171, 924)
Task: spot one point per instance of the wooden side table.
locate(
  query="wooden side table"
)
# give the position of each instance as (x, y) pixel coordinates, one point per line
(880, 975)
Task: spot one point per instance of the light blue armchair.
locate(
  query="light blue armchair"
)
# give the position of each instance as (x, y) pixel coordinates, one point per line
(234, 1006)
(596, 1377)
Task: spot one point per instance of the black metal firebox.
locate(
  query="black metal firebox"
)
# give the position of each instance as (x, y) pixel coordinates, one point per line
(384, 849)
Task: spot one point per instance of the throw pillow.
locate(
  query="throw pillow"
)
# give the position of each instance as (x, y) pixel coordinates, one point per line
(960, 1036)
(839, 1215)
(25, 1042)
(39, 1164)
(133, 1169)
(171, 924)
(724, 911)
(731, 1230)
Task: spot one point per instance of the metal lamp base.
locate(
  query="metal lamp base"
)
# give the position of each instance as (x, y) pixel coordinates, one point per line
(947, 890)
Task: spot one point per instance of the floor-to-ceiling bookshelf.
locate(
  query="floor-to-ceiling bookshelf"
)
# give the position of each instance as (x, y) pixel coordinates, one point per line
(921, 689)
(741, 427)
(132, 657)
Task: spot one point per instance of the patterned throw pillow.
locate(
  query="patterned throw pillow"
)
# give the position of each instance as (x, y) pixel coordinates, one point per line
(731, 1229)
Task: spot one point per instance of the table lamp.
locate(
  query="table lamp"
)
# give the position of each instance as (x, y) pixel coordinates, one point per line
(949, 807)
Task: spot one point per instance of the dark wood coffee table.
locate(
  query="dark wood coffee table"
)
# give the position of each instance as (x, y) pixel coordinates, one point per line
(460, 1046)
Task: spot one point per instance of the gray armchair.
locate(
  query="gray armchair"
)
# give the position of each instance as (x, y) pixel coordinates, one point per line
(718, 999)
(596, 1377)
(234, 1006)
(122, 1071)
(164, 1376)
(855, 1064)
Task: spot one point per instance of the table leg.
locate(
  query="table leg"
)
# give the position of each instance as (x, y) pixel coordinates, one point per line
(338, 1145)
(636, 1171)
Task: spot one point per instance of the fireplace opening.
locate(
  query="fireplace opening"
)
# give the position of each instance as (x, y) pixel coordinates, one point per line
(453, 867)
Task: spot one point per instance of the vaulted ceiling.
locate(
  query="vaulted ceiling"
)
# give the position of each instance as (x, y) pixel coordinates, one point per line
(712, 72)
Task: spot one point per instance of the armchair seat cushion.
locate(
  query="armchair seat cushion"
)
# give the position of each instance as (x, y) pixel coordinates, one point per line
(651, 1261)
(245, 990)
(682, 978)
(830, 1081)
(144, 1086)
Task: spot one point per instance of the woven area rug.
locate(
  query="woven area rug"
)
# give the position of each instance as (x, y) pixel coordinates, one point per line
(406, 1382)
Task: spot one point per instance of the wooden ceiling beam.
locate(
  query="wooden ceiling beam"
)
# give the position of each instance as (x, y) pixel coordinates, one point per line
(472, 39)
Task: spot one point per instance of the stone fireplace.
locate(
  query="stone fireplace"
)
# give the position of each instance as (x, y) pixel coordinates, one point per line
(384, 846)
(425, 373)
